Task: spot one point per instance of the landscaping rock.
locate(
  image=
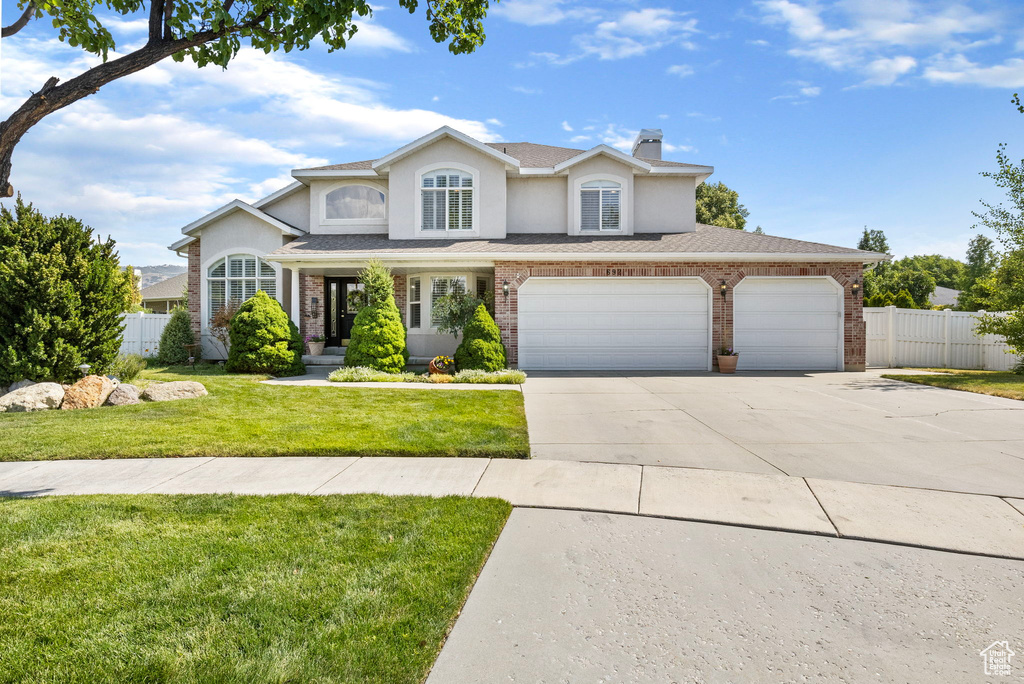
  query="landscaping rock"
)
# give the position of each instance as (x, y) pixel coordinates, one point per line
(34, 397)
(124, 395)
(89, 392)
(170, 391)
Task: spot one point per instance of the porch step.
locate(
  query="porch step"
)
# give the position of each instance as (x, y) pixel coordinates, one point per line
(324, 360)
(335, 351)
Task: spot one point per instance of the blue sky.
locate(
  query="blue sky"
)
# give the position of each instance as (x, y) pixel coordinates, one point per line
(824, 116)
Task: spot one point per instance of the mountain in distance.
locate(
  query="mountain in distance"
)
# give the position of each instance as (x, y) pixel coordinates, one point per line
(151, 275)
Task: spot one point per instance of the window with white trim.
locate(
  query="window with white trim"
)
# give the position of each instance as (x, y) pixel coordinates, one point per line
(354, 202)
(237, 278)
(446, 197)
(600, 205)
(415, 309)
(439, 287)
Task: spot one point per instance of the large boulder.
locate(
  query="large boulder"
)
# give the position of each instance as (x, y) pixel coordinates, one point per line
(89, 392)
(169, 391)
(124, 395)
(35, 397)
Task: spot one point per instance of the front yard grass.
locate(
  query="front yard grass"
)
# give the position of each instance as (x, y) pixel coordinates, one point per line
(996, 383)
(242, 417)
(151, 588)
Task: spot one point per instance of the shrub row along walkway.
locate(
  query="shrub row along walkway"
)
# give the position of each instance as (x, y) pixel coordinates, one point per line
(968, 523)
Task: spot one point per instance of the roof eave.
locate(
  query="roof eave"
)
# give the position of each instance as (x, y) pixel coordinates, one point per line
(846, 257)
(605, 150)
(320, 174)
(443, 132)
(279, 194)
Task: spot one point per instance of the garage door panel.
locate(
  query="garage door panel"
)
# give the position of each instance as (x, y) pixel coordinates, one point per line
(787, 324)
(613, 323)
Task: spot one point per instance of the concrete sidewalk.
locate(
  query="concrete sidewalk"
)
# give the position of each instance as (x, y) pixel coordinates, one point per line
(967, 523)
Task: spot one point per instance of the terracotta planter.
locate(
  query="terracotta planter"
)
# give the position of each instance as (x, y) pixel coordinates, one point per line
(434, 370)
(727, 364)
(316, 348)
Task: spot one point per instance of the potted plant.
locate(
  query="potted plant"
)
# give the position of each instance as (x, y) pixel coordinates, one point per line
(441, 365)
(315, 344)
(727, 358)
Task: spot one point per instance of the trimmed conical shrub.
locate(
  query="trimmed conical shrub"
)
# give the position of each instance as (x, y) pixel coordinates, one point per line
(173, 339)
(481, 347)
(904, 300)
(264, 340)
(378, 338)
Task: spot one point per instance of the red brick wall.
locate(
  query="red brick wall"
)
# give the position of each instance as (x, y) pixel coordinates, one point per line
(195, 279)
(401, 295)
(516, 273)
(311, 317)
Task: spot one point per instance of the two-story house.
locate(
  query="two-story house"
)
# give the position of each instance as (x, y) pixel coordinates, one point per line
(594, 257)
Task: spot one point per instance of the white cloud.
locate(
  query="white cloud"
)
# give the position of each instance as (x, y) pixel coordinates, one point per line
(879, 38)
(372, 36)
(526, 91)
(579, 138)
(886, 70)
(680, 70)
(960, 70)
(614, 35)
(541, 12)
(810, 91)
(566, 126)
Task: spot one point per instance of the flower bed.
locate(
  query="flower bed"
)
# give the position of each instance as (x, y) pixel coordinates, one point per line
(476, 377)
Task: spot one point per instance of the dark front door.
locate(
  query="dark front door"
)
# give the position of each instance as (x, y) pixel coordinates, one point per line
(342, 306)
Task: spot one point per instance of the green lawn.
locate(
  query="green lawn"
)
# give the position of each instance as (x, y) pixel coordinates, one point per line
(242, 417)
(996, 383)
(235, 589)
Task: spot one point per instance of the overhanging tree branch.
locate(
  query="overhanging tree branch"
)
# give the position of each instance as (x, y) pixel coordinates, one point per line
(7, 31)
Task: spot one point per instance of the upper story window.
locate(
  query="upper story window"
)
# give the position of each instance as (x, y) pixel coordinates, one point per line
(447, 200)
(237, 278)
(355, 203)
(600, 205)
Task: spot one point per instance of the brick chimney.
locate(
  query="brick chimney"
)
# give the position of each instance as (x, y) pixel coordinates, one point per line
(648, 144)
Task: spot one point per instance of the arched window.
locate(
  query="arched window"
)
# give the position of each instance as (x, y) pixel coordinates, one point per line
(447, 200)
(600, 205)
(237, 277)
(354, 202)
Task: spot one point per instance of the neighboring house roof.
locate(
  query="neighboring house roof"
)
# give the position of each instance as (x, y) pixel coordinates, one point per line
(944, 296)
(707, 242)
(169, 289)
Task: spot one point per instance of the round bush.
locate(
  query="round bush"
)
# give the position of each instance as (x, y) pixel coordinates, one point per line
(173, 339)
(378, 338)
(264, 340)
(481, 347)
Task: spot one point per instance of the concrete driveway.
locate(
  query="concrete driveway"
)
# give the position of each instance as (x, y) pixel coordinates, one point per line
(855, 427)
(568, 596)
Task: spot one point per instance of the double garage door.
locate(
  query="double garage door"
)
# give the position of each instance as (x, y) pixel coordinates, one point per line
(665, 324)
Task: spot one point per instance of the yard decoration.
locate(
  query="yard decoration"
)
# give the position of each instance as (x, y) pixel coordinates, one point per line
(378, 338)
(264, 340)
(481, 347)
(441, 365)
(173, 339)
(315, 344)
(62, 293)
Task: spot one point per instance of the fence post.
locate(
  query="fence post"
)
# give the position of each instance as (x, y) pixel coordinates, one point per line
(946, 359)
(981, 339)
(890, 337)
(142, 334)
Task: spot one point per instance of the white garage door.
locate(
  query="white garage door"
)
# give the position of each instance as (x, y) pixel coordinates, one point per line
(788, 324)
(614, 324)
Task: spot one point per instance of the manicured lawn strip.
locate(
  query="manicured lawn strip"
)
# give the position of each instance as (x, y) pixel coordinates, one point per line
(235, 589)
(995, 383)
(242, 417)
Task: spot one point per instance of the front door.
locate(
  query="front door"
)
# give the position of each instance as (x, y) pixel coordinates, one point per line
(342, 306)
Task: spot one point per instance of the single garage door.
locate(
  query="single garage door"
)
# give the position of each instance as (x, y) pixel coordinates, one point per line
(614, 324)
(788, 324)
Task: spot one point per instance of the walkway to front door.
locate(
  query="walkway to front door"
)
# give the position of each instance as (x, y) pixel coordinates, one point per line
(344, 298)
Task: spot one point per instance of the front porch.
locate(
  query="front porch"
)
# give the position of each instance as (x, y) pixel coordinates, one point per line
(322, 304)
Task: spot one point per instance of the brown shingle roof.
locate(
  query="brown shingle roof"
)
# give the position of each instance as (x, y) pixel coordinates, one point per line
(530, 155)
(706, 239)
(171, 288)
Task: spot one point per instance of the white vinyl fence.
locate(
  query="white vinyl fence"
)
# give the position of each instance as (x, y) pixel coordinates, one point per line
(142, 333)
(932, 339)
